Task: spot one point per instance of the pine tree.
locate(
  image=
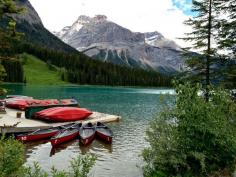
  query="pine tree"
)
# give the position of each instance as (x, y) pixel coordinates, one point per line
(227, 40)
(227, 27)
(204, 30)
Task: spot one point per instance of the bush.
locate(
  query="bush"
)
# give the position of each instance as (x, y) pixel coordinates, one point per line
(193, 138)
(12, 163)
(11, 157)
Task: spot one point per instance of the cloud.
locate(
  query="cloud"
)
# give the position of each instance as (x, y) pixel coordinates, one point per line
(140, 15)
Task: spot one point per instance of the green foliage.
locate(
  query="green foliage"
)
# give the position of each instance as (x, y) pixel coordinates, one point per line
(227, 26)
(79, 167)
(227, 40)
(194, 138)
(11, 158)
(12, 163)
(2, 77)
(9, 36)
(8, 7)
(35, 171)
(13, 68)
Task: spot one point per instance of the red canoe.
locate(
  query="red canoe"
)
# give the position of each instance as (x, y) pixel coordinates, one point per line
(66, 135)
(17, 103)
(103, 132)
(64, 114)
(22, 103)
(25, 102)
(87, 133)
(44, 112)
(38, 135)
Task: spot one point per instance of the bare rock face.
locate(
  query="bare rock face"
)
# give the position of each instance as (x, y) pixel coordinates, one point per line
(29, 15)
(107, 41)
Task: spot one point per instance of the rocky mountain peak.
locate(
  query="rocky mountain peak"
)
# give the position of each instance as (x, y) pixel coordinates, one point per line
(157, 39)
(153, 35)
(29, 15)
(110, 42)
(82, 19)
(100, 18)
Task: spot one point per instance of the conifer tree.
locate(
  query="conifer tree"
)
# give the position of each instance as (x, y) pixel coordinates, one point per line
(227, 40)
(203, 35)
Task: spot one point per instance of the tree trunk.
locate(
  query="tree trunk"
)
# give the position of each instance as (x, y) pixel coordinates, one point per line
(208, 52)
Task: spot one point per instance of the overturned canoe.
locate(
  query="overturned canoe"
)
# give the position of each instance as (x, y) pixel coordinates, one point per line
(87, 133)
(63, 114)
(65, 135)
(22, 103)
(103, 132)
(17, 103)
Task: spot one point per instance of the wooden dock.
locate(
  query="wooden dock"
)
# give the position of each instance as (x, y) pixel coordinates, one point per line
(9, 123)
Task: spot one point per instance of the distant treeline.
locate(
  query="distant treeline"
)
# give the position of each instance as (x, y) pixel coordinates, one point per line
(81, 69)
(14, 69)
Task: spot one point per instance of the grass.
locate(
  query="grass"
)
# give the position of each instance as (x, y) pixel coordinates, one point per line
(38, 72)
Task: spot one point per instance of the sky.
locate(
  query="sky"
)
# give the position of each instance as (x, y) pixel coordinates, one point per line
(164, 16)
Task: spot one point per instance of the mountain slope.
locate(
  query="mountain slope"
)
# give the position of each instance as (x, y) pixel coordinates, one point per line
(31, 25)
(97, 37)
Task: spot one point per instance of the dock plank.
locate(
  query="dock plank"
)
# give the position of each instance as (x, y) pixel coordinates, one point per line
(9, 123)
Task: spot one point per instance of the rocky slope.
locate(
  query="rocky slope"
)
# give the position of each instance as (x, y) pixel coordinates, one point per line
(31, 25)
(107, 41)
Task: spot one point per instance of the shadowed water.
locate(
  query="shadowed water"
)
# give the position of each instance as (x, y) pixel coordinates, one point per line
(137, 107)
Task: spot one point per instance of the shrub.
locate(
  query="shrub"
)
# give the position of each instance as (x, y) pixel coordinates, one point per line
(193, 138)
(11, 157)
(12, 163)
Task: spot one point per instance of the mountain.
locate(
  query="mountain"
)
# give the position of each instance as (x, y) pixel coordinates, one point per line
(59, 61)
(31, 25)
(102, 39)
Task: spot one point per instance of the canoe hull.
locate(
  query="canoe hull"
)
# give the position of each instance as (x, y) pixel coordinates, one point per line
(87, 134)
(27, 138)
(104, 137)
(103, 132)
(57, 141)
(63, 114)
(88, 140)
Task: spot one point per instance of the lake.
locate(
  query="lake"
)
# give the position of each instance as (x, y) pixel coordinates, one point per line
(137, 106)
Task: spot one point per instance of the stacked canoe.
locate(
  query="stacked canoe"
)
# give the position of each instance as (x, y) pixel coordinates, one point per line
(23, 102)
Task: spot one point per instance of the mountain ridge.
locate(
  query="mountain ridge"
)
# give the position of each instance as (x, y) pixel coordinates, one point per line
(107, 41)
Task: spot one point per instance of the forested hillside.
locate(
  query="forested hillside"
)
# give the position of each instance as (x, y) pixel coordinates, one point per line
(81, 69)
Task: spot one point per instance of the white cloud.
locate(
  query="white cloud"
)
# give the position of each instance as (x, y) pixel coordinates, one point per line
(138, 15)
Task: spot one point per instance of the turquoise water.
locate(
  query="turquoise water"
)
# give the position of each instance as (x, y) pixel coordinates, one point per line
(136, 106)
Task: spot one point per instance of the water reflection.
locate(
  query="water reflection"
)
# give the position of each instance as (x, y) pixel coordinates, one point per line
(63, 146)
(33, 146)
